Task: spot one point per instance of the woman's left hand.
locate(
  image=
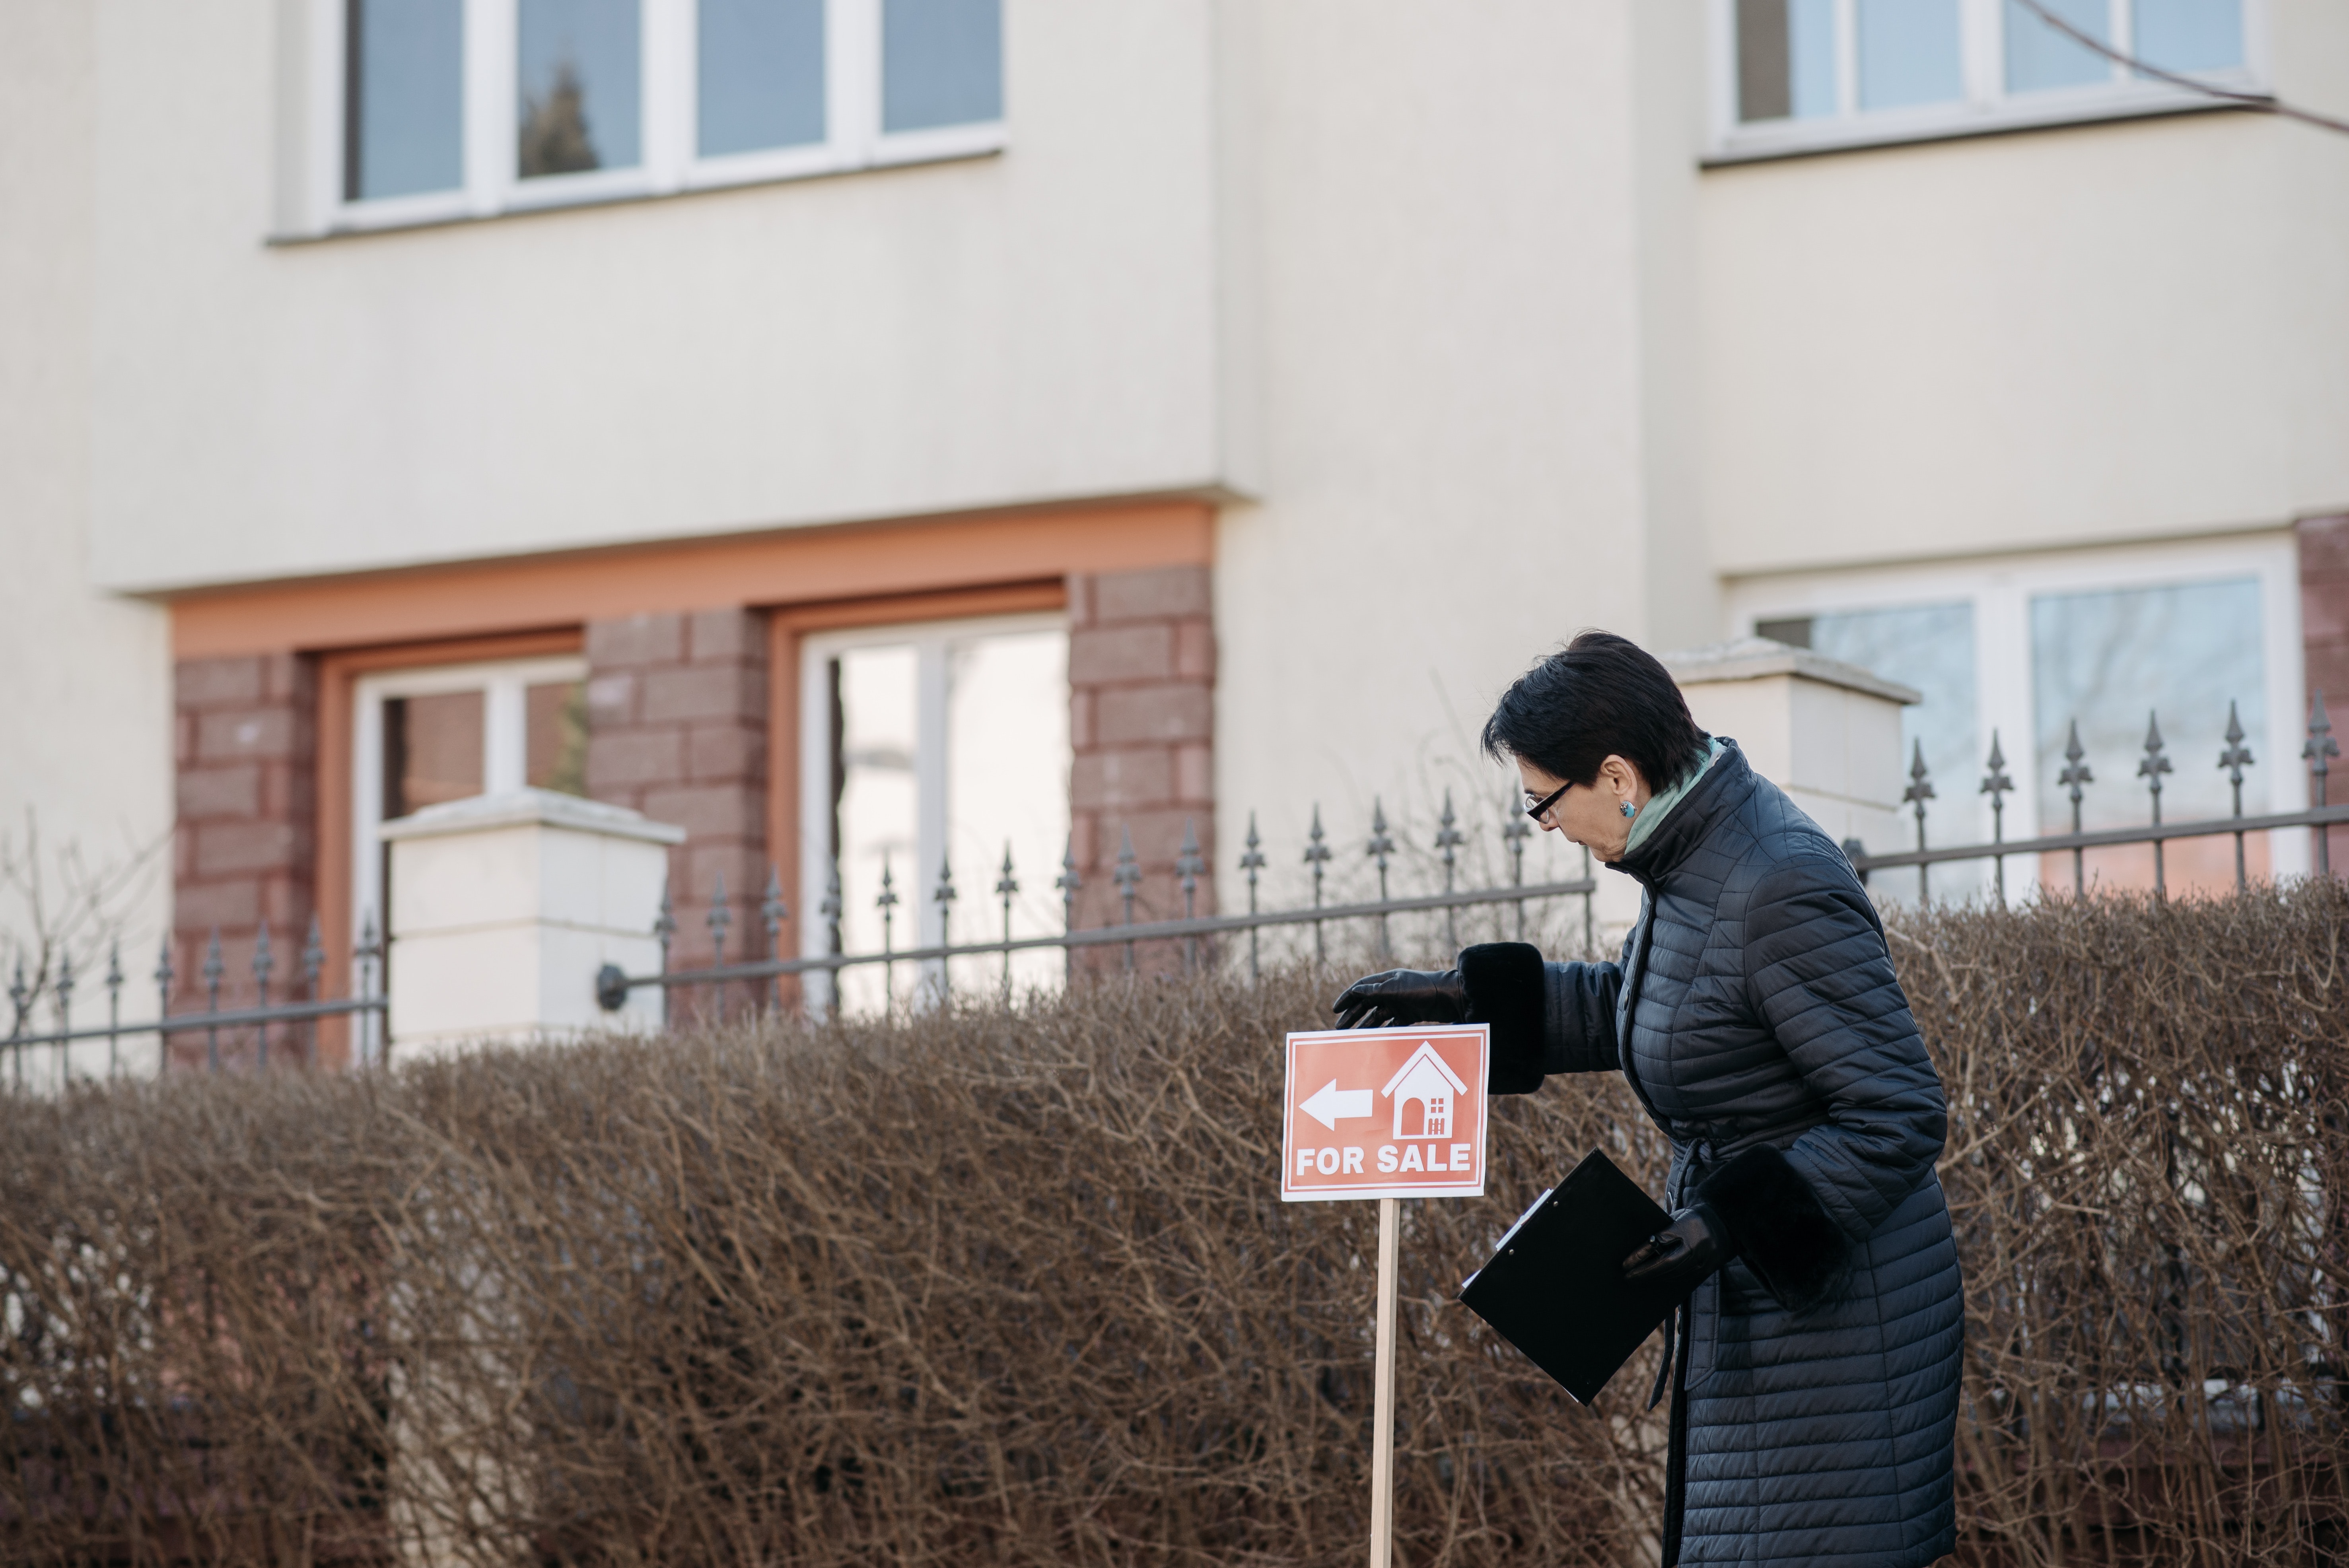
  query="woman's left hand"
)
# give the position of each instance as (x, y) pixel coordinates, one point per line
(1402, 996)
(1683, 1253)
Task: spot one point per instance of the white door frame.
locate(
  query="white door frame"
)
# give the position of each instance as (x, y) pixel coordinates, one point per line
(930, 641)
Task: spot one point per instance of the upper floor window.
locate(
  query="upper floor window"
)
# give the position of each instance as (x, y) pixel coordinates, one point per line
(444, 109)
(1798, 74)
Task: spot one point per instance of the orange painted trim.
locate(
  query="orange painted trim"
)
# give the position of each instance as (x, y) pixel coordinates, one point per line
(865, 560)
(338, 675)
(787, 630)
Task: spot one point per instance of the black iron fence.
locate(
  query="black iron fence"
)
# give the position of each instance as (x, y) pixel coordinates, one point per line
(1199, 936)
(289, 1025)
(765, 975)
(2155, 764)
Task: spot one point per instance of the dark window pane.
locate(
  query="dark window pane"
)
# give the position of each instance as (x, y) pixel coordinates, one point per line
(1930, 647)
(404, 93)
(1785, 59)
(941, 63)
(762, 81)
(581, 65)
(1795, 632)
(1909, 53)
(2039, 57)
(2190, 35)
(431, 751)
(556, 737)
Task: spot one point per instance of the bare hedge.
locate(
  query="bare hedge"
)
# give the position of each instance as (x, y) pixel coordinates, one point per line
(1016, 1287)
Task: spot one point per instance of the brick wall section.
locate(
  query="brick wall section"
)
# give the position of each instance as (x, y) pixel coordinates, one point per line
(2324, 640)
(1141, 679)
(677, 728)
(245, 844)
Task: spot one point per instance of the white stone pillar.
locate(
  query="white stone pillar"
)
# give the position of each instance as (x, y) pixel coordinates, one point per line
(503, 907)
(1826, 732)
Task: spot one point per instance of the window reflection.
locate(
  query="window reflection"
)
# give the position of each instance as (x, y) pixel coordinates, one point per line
(2038, 57)
(579, 86)
(1785, 59)
(2111, 661)
(403, 101)
(762, 74)
(555, 737)
(1930, 647)
(1909, 53)
(941, 63)
(431, 751)
(2189, 35)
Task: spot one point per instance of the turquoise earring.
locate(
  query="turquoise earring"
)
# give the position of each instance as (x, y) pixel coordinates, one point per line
(1629, 810)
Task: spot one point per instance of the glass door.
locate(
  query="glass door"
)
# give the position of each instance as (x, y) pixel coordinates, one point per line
(943, 745)
(427, 736)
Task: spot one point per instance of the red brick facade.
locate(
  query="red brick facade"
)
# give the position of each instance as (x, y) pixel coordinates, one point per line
(1142, 677)
(2324, 639)
(677, 728)
(244, 849)
(679, 711)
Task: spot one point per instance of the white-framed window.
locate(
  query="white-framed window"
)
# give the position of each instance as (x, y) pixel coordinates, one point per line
(1798, 76)
(940, 743)
(448, 732)
(2020, 647)
(428, 110)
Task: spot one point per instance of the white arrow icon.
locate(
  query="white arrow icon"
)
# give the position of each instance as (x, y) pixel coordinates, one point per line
(1330, 1104)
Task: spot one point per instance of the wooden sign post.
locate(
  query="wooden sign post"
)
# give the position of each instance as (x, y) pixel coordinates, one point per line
(1386, 1114)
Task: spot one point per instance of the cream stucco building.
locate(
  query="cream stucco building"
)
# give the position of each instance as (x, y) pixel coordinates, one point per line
(865, 432)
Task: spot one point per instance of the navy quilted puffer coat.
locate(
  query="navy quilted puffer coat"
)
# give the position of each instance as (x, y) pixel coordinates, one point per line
(1755, 1013)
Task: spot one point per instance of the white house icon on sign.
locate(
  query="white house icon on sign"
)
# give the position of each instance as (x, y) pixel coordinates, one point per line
(1429, 1080)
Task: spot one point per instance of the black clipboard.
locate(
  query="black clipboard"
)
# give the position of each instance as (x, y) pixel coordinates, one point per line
(1555, 1287)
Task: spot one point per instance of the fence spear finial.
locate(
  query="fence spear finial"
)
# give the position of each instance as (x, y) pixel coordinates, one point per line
(1252, 862)
(2234, 760)
(2237, 756)
(1448, 838)
(772, 910)
(1996, 785)
(1317, 856)
(2150, 768)
(1920, 790)
(1127, 876)
(1069, 883)
(1188, 864)
(720, 919)
(832, 906)
(2320, 745)
(2319, 751)
(1005, 886)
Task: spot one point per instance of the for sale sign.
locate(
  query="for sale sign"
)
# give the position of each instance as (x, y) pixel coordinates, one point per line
(1385, 1113)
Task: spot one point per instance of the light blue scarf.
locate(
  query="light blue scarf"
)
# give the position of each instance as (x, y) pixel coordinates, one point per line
(1660, 805)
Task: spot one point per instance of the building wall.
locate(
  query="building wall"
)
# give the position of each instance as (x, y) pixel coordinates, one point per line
(2105, 333)
(1038, 325)
(677, 721)
(1141, 729)
(245, 846)
(86, 709)
(2324, 624)
(1458, 276)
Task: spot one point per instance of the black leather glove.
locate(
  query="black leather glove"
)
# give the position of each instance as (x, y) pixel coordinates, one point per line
(1402, 996)
(1683, 1252)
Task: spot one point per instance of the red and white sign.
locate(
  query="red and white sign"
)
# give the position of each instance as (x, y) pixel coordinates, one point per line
(1385, 1113)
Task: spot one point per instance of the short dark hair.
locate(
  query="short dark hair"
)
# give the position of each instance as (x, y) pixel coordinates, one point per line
(1599, 696)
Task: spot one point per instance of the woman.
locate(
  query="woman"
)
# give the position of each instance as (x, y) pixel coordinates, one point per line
(1755, 1013)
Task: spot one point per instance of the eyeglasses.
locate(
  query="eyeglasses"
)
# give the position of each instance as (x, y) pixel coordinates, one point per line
(1535, 809)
